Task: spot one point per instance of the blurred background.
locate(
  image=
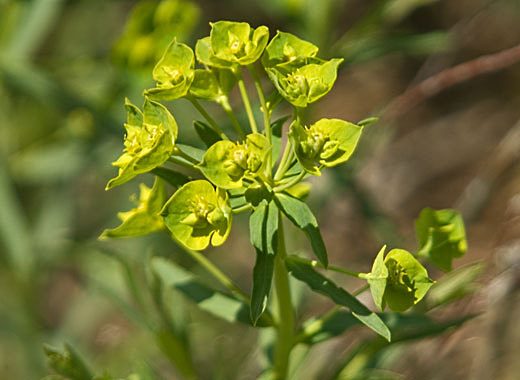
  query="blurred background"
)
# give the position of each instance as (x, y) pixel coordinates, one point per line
(449, 141)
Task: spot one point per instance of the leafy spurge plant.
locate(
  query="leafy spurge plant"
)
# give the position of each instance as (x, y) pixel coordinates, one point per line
(249, 170)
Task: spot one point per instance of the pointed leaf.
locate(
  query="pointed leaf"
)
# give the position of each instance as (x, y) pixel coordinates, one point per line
(173, 178)
(299, 213)
(263, 227)
(377, 279)
(304, 272)
(206, 133)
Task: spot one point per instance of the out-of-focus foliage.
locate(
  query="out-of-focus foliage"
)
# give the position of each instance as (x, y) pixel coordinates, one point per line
(60, 123)
(149, 29)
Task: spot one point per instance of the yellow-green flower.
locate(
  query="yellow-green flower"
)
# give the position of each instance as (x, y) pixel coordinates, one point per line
(303, 81)
(398, 280)
(441, 236)
(232, 43)
(143, 219)
(328, 142)
(227, 163)
(198, 215)
(173, 73)
(149, 141)
(286, 47)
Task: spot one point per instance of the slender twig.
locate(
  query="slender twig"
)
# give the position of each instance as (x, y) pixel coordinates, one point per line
(220, 276)
(334, 268)
(226, 106)
(212, 123)
(448, 78)
(477, 192)
(181, 162)
(243, 208)
(285, 161)
(293, 181)
(247, 102)
(265, 110)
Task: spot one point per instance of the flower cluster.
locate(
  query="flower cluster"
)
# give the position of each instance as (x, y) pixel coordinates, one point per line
(199, 212)
(247, 168)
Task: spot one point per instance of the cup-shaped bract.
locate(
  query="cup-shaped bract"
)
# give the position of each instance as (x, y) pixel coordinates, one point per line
(304, 80)
(213, 84)
(149, 141)
(206, 56)
(232, 43)
(198, 215)
(398, 280)
(173, 73)
(441, 236)
(328, 142)
(286, 47)
(145, 218)
(227, 163)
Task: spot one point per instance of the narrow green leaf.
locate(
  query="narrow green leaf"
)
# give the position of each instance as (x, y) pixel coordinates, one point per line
(216, 303)
(173, 178)
(191, 151)
(300, 214)
(319, 283)
(206, 133)
(263, 227)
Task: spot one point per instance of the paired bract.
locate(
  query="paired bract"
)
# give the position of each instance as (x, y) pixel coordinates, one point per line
(326, 143)
(149, 141)
(226, 163)
(198, 214)
(398, 280)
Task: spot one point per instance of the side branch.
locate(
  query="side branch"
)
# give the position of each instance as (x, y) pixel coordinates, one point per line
(448, 78)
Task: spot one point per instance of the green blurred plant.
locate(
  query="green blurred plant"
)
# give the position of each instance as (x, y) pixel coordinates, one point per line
(250, 171)
(149, 29)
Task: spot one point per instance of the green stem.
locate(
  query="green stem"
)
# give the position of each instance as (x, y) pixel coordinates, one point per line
(181, 162)
(360, 290)
(234, 121)
(334, 268)
(265, 110)
(212, 269)
(282, 167)
(212, 123)
(291, 182)
(178, 152)
(285, 330)
(228, 283)
(247, 103)
(243, 208)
